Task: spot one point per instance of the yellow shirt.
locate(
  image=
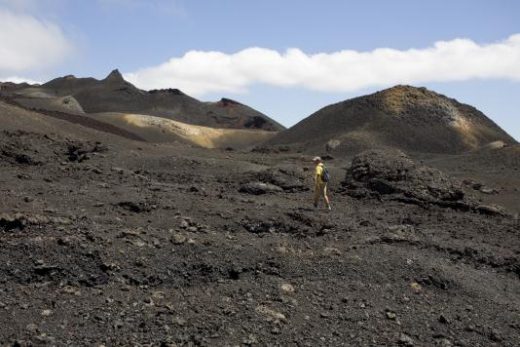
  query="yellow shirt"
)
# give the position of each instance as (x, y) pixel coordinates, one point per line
(318, 172)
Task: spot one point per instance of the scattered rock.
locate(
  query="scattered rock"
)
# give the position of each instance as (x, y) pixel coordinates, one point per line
(405, 340)
(390, 315)
(287, 288)
(13, 155)
(31, 327)
(179, 239)
(492, 210)
(12, 222)
(119, 170)
(443, 319)
(325, 315)
(494, 335)
(444, 342)
(259, 188)
(416, 287)
(270, 314)
(262, 227)
(331, 251)
(20, 221)
(46, 313)
(79, 152)
(488, 191)
(136, 207)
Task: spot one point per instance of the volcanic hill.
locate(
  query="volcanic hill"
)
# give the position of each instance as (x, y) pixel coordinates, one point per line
(403, 117)
(113, 94)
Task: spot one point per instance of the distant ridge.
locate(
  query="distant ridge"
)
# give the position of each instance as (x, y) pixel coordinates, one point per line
(114, 94)
(403, 117)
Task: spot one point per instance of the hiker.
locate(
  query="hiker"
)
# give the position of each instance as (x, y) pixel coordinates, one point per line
(321, 178)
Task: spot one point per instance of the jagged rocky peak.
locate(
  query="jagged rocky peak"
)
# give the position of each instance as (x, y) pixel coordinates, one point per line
(115, 75)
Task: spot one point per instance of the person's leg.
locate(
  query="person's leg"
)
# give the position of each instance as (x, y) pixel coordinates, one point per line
(317, 194)
(326, 196)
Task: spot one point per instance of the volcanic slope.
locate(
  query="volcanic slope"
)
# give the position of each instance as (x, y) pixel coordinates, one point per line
(403, 117)
(158, 129)
(109, 241)
(143, 128)
(114, 94)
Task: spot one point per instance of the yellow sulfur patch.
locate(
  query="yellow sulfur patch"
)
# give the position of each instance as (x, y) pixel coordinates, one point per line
(466, 130)
(203, 136)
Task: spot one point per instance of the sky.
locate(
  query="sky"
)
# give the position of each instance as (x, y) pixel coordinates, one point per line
(286, 58)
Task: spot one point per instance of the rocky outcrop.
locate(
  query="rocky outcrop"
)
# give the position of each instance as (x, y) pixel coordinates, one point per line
(392, 175)
(277, 179)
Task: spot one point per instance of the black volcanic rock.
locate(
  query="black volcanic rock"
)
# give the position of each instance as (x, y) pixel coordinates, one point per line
(402, 117)
(388, 174)
(394, 175)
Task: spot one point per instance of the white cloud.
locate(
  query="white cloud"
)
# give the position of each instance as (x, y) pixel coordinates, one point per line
(17, 79)
(199, 72)
(27, 43)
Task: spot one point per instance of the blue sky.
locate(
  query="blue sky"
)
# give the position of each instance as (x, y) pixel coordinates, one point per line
(308, 53)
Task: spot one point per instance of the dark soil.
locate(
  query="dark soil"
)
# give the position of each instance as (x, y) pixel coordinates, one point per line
(111, 242)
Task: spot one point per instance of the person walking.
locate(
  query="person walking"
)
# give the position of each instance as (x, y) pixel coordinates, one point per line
(321, 178)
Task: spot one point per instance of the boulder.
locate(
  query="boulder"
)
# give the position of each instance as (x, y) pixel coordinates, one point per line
(392, 175)
(392, 172)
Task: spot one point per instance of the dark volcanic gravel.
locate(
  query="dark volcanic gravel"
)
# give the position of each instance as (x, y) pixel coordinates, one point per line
(143, 245)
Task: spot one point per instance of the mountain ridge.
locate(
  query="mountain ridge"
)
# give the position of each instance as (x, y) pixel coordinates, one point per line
(115, 94)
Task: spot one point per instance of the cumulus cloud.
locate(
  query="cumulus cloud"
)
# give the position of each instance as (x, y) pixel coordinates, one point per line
(200, 72)
(27, 43)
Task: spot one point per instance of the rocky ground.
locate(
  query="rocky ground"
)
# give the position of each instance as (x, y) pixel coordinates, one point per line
(122, 243)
